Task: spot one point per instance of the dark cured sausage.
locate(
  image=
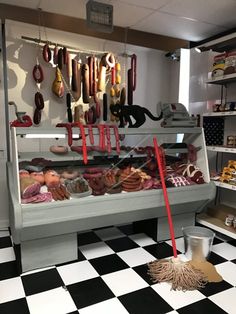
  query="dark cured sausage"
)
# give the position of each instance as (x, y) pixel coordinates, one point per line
(130, 87)
(85, 83)
(60, 58)
(104, 107)
(37, 116)
(91, 77)
(47, 55)
(38, 100)
(55, 55)
(68, 104)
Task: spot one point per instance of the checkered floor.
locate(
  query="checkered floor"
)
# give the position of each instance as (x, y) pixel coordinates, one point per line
(110, 277)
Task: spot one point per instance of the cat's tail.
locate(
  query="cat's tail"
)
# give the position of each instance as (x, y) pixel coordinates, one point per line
(151, 116)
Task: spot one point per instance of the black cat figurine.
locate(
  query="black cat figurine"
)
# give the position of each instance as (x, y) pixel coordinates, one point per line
(139, 113)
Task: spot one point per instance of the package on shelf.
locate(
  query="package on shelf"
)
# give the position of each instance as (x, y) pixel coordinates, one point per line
(230, 63)
(218, 65)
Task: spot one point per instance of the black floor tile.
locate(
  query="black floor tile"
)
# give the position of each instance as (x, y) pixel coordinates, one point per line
(8, 270)
(142, 270)
(122, 244)
(144, 301)
(217, 241)
(204, 306)
(234, 261)
(5, 242)
(216, 259)
(127, 229)
(41, 281)
(160, 250)
(18, 306)
(87, 238)
(108, 264)
(89, 292)
(81, 256)
(215, 287)
(232, 242)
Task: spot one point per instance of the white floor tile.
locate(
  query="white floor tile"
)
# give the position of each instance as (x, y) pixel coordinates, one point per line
(7, 254)
(172, 312)
(77, 272)
(94, 250)
(106, 307)
(135, 257)
(142, 239)
(225, 250)
(11, 289)
(124, 281)
(226, 300)
(109, 233)
(55, 301)
(179, 244)
(228, 271)
(177, 299)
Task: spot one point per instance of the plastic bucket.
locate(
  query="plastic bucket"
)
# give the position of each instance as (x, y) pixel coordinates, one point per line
(197, 242)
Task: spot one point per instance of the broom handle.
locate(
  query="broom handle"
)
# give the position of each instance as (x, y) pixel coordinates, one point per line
(170, 222)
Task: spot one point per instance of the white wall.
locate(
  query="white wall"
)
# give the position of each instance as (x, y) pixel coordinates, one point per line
(157, 76)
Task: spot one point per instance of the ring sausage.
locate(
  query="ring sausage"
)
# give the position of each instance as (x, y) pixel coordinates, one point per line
(38, 73)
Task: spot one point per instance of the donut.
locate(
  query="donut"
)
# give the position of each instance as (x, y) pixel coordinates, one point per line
(38, 176)
(70, 174)
(58, 149)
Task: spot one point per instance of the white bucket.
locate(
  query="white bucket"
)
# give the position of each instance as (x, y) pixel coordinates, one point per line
(197, 242)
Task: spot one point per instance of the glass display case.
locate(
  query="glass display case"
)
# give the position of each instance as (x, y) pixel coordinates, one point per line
(44, 232)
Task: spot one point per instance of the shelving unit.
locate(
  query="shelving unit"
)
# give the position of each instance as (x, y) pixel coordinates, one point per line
(214, 217)
(47, 234)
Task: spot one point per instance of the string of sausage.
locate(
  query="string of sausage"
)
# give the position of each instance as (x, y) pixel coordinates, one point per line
(132, 78)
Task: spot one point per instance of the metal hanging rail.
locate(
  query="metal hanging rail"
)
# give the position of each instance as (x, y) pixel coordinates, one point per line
(71, 48)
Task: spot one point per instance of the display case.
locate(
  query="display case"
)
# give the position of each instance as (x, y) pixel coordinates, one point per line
(46, 233)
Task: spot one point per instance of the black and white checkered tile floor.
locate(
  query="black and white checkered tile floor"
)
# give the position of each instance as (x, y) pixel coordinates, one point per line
(110, 277)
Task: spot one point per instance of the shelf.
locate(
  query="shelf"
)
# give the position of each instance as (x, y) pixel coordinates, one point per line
(41, 133)
(219, 114)
(216, 224)
(222, 149)
(230, 78)
(225, 185)
(214, 218)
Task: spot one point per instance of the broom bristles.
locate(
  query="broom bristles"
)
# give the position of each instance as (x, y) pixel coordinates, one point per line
(181, 275)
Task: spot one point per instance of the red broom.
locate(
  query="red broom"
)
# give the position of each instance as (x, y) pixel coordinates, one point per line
(182, 275)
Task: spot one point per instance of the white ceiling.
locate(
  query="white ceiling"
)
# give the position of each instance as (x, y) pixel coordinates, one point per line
(192, 20)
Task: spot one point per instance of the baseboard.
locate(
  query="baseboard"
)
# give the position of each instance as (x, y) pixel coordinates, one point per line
(4, 224)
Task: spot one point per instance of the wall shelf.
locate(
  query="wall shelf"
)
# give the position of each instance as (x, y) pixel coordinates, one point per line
(219, 114)
(225, 185)
(221, 80)
(222, 149)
